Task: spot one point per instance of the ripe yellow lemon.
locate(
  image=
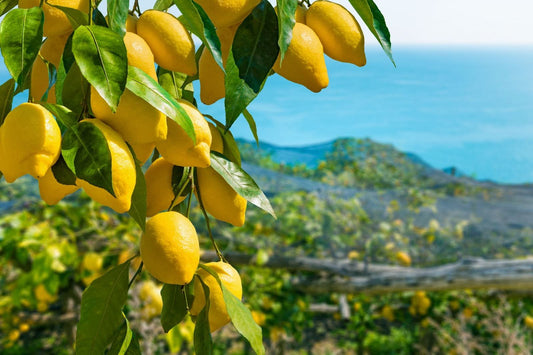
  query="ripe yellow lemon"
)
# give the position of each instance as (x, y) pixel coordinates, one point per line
(225, 13)
(56, 22)
(52, 191)
(211, 76)
(304, 60)
(217, 144)
(528, 320)
(170, 41)
(92, 262)
(159, 192)
(135, 119)
(170, 249)
(218, 314)
(338, 31)
(403, 258)
(51, 51)
(143, 151)
(179, 149)
(219, 198)
(122, 171)
(30, 142)
(139, 54)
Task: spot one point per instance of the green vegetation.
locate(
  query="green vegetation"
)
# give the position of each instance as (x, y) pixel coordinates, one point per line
(47, 245)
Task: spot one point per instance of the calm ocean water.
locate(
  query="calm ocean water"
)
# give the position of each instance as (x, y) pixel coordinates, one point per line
(466, 107)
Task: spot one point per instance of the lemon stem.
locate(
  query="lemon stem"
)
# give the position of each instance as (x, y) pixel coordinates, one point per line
(91, 4)
(136, 7)
(139, 269)
(185, 296)
(189, 179)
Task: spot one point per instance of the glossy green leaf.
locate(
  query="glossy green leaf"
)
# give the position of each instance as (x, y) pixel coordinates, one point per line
(251, 122)
(99, 18)
(142, 85)
(101, 56)
(163, 5)
(75, 97)
(64, 116)
(231, 149)
(197, 21)
(7, 91)
(122, 340)
(375, 22)
(52, 78)
(21, 34)
(138, 198)
(241, 182)
(255, 46)
(203, 343)
(76, 17)
(253, 53)
(87, 154)
(242, 320)
(65, 64)
(286, 21)
(6, 5)
(134, 348)
(62, 173)
(117, 12)
(174, 306)
(241, 317)
(171, 81)
(101, 311)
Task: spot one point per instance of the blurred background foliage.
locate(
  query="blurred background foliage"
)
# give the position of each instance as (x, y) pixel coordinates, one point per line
(49, 254)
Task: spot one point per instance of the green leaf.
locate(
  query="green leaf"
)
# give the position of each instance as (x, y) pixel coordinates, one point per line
(101, 311)
(99, 18)
(286, 21)
(7, 91)
(62, 173)
(122, 340)
(203, 343)
(64, 116)
(142, 85)
(375, 22)
(241, 317)
(138, 198)
(134, 348)
(197, 21)
(252, 56)
(163, 5)
(242, 320)
(74, 97)
(6, 5)
(21, 34)
(65, 64)
(171, 81)
(101, 56)
(255, 46)
(76, 17)
(117, 11)
(251, 123)
(231, 149)
(241, 182)
(87, 154)
(174, 306)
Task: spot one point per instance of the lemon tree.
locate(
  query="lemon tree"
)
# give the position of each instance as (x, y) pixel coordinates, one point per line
(107, 92)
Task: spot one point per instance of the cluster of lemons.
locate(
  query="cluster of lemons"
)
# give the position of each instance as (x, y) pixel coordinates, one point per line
(30, 143)
(420, 304)
(326, 27)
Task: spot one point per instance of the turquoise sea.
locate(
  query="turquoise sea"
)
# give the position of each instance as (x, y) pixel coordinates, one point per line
(468, 107)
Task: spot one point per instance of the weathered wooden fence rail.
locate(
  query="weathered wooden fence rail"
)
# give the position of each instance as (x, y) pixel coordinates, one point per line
(347, 276)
